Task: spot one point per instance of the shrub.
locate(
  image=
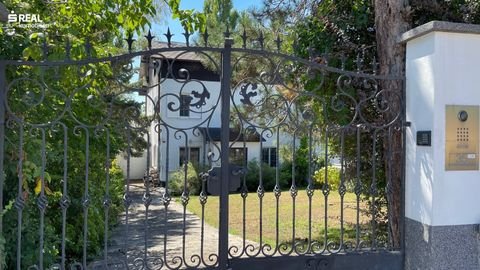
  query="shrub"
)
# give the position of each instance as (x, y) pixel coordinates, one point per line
(302, 162)
(53, 219)
(333, 175)
(268, 177)
(286, 173)
(177, 179)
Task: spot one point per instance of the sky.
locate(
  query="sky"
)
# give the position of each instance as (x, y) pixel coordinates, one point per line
(158, 29)
(176, 28)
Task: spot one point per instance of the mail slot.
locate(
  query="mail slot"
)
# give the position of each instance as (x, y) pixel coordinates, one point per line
(213, 184)
(461, 138)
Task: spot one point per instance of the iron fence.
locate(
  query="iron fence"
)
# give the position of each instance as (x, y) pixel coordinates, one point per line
(66, 120)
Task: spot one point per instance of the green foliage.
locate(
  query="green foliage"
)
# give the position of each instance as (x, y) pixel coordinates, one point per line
(301, 159)
(30, 235)
(98, 21)
(301, 162)
(189, 18)
(176, 183)
(218, 15)
(340, 27)
(104, 23)
(31, 215)
(462, 11)
(286, 172)
(268, 175)
(333, 176)
(326, 31)
(94, 90)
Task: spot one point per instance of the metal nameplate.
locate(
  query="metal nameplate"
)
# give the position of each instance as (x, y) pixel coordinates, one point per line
(461, 138)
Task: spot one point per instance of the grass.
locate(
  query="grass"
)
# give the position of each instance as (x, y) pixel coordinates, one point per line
(250, 209)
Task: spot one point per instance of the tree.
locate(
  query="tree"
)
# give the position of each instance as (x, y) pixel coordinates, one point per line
(392, 19)
(91, 29)
(353, 25)
(219, 15)
(391, 22)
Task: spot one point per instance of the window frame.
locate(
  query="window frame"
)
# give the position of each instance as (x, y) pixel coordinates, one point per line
(234, 161)
(272, 156)
(184, 109)
(183, 150)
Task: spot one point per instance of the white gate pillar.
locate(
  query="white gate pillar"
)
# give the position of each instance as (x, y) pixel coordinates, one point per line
(442, 186)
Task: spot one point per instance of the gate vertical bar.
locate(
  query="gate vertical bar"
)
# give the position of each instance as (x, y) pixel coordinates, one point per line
(224, 154)
(403, 131)
(3, 84)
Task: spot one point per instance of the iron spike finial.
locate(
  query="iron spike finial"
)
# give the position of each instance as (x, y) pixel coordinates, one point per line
(45, 46)
(261, 40)
(227, 32)
(325, 57)
(88, 47)
(149, 38)
(359, 62)
(374, 65)
(244, 39)
(343, 60)
(58, 36)
(187, 36)
(68, 48)
(130, 41)
(205, 37)
(310, 51)
(278, 41)
(169, 36)
(295, 45)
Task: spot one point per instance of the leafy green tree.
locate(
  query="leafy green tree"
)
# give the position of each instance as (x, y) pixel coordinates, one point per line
(219, 15)
(353, 26)
(98, 114)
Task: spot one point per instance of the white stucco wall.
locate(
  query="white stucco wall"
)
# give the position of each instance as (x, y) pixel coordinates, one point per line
(138, 165)
(441, 69)
(166, 157)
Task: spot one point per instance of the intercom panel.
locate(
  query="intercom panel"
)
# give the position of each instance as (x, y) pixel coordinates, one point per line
(461, 138)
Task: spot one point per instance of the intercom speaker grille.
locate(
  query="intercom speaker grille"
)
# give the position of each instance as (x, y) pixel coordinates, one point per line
(463, 134)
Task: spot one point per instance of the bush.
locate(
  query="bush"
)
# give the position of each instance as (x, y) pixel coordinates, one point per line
(333, 174)
(286, 173)
(302, 162)
(177, 179)
(53, 219)
(268, 177)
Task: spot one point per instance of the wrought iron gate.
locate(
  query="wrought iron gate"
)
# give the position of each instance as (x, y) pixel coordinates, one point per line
(282, 119)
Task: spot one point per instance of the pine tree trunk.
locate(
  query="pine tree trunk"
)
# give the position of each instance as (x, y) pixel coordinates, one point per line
(391, 21)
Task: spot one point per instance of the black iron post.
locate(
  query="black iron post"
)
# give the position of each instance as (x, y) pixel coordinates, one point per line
(225, 140)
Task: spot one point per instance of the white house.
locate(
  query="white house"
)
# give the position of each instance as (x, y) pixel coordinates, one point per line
(187, 96)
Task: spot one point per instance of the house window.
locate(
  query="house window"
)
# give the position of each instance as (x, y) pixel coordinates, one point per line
(238, 156)
(194, 155)
(269, 156)
(185, 105)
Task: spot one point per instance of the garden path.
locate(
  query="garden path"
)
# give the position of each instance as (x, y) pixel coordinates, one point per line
(127, 243)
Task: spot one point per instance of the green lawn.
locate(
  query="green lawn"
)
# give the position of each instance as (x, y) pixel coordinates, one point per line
(251, 211)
